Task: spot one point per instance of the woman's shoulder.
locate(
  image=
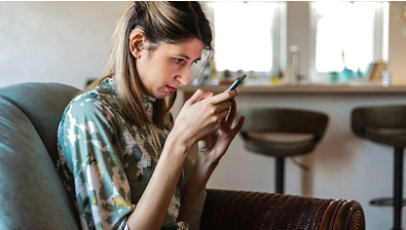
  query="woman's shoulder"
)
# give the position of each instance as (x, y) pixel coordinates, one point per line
(90, 103)
(87, 111)
(90, 99)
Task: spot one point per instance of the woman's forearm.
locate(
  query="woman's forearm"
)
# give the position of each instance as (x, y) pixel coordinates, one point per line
(153, 205)
(194, 187)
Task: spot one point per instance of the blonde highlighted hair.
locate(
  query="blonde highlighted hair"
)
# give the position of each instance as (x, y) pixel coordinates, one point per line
(169, 22)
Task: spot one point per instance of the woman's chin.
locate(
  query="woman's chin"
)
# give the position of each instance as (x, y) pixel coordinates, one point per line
(161, 95)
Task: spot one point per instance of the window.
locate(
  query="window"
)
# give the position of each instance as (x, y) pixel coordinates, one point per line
(348, 35)
(246, 35)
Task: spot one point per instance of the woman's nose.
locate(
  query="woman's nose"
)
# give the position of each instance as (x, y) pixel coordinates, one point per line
(184, 76)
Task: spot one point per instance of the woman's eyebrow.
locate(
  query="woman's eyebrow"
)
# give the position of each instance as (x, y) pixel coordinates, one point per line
(187, 57)
(184, 56)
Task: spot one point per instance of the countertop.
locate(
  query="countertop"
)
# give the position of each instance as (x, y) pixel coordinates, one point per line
(303, 89)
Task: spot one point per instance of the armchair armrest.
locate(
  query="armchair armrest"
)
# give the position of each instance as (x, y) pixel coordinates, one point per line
(255, 210)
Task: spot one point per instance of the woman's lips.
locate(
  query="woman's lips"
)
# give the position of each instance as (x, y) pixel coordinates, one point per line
(171, 89)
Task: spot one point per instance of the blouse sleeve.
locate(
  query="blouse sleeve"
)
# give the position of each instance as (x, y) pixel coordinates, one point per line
(90, 145)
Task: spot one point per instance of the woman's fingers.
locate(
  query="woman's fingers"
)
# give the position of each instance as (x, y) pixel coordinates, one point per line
(232, 114)
(195, 96)
(222, 114)
(223, 106)
(198, 95)
(204, 113)
(239, 125)
(224, 96)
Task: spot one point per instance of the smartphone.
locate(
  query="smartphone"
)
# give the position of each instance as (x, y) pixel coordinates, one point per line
(237, 82)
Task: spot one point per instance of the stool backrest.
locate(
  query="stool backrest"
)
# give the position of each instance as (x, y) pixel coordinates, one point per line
(284, 120)
(384, 118)
(379, 117)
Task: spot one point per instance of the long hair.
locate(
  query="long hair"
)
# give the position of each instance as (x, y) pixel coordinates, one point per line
(169, 22)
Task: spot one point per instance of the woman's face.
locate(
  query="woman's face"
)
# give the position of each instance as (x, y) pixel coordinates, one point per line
(169, 65)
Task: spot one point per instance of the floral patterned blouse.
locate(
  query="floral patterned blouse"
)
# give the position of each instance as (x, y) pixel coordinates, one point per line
(106, 162)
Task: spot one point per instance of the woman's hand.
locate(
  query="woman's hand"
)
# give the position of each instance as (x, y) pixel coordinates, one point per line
(216, 144)
(201, 115)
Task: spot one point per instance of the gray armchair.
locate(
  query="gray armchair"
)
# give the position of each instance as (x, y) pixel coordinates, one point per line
(32, 195)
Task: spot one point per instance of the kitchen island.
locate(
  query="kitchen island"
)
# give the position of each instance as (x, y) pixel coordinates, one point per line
(342, 165)
(306, 89)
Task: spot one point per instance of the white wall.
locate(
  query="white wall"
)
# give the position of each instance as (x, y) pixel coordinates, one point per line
(65, 42)
(298, 34)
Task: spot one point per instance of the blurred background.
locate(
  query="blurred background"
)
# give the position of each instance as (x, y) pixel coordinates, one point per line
(275, 43)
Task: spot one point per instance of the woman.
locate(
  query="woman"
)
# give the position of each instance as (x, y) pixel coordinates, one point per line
(111, 136)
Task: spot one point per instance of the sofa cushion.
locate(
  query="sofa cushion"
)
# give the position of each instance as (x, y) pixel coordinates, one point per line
(31, 194)
(44, 114)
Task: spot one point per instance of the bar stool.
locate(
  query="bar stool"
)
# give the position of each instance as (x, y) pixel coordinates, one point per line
(385, 125)
(281, 133)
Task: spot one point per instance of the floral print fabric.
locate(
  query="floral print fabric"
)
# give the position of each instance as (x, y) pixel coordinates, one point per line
(106, 162)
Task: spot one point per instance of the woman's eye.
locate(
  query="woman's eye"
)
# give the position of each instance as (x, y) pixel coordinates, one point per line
(178, 60)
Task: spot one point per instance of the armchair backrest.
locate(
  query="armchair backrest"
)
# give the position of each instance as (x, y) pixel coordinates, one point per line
(32, 195)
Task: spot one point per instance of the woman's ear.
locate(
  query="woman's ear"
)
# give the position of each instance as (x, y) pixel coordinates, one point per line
(137, 42)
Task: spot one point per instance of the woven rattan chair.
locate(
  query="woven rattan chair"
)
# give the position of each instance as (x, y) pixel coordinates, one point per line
(237, 210)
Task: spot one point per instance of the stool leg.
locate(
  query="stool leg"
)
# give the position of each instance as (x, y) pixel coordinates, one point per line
(398, 189)
(279, 173)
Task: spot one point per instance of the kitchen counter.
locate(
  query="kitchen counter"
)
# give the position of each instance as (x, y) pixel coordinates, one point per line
(303, 89)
